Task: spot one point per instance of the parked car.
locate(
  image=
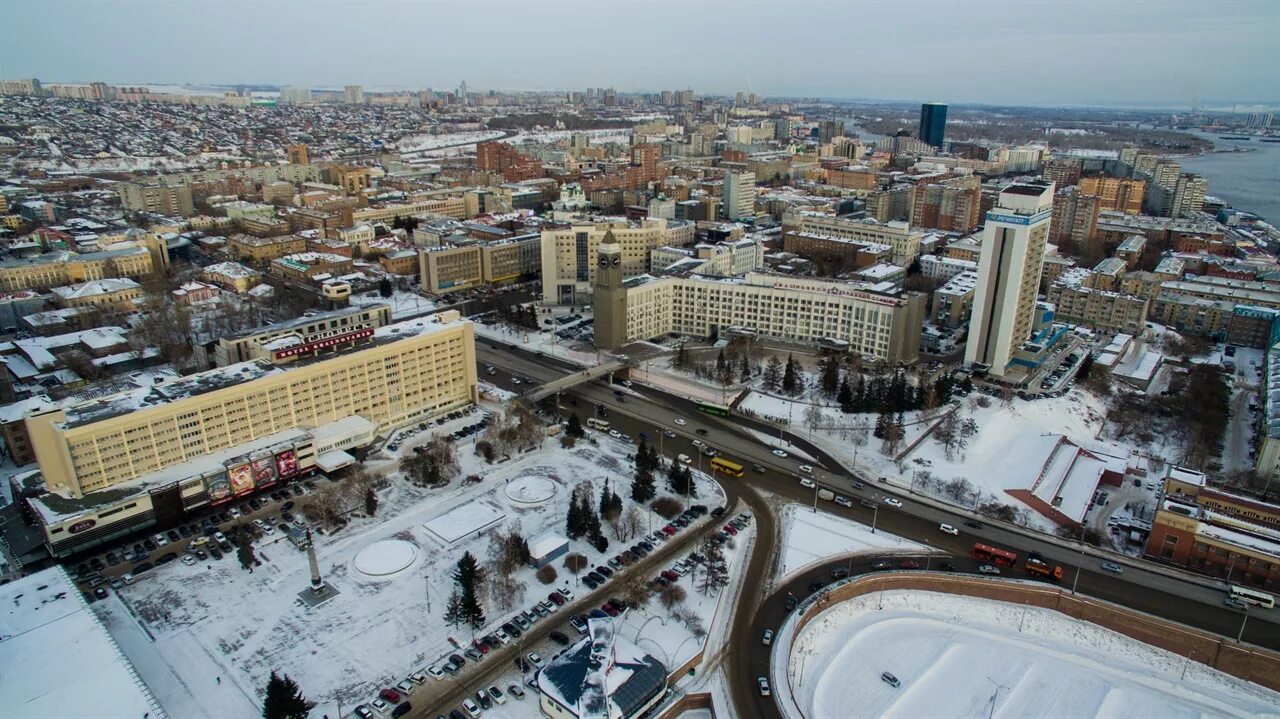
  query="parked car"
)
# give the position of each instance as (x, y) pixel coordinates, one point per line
(988, 569)
(515, 691)
(363, 711)
(909, 564)
(405, 687)
(890, 679)
(471, 708)
(390, 695)
(844, 501)
(559, 638)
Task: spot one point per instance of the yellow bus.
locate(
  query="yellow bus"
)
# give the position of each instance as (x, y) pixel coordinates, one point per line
(733, 469)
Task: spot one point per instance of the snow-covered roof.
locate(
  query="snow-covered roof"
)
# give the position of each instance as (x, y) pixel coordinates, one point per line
(233, 270)
(96, 288)
(546, 543)
(49, 628)
(603, 675)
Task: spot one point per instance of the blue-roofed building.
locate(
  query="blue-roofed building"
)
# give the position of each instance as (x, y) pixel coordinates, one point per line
(603, 676)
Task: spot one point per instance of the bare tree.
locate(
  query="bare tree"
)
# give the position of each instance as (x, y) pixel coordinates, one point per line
(575, 563)
(671, 595)
(627, 524)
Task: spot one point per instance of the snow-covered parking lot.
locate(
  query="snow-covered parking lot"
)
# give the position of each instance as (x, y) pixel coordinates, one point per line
(207, 636)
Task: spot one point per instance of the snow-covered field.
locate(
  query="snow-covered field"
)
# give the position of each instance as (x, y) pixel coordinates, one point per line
(548, 136)
(185, 626)
(403, 304)
(966, 657)
(809, 537)
(420, 143)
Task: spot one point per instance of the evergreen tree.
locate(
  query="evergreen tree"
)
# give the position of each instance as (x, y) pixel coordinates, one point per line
(845, 395)
(453, 614)
(790, 379)
(883, 422)
(468, 574)
(642, 489)
(830, 376)
(682, 357)
(688, 487)
(370, 502)
(575, 426)
(284, 699)
(744, 369)
(772, 376)
(675, 477)
(573, 523)
(384, 287)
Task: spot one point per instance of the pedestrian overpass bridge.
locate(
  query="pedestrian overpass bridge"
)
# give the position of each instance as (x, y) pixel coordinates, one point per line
(541, 392)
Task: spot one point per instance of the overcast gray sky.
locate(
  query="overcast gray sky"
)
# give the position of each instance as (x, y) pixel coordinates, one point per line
(1029, 51)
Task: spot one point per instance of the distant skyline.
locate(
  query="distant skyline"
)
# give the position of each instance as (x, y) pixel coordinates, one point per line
(1134, 54)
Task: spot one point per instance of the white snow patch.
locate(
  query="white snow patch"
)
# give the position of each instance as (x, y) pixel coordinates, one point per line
(956, 656)
(809, 537)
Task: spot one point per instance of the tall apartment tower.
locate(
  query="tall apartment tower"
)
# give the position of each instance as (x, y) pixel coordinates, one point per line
(298, 154)
(933, 123)
(608, 297)
(1004, 301)
(739, 195)
(1188, 195)
(355, 94)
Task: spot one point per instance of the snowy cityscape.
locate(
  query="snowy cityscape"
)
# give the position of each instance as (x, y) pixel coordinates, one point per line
(385, 384)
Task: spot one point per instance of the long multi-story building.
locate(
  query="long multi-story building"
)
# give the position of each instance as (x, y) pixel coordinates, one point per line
(865, 318)
(157, 198)
(944, 268)
(393, 375)
(453, 206)
(256, 343)
(258, 250)
(1013, 246)
(1216, 532)
(898, 235)
(459, 266)
(63, 267)
(504, 159)
(1099, 309)
(569, 255)
(849, 254)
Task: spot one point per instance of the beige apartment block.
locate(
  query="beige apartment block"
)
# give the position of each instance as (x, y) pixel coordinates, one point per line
(404, 373)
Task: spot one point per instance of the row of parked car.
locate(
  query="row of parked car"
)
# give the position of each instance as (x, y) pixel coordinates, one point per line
(394, 701)
(467, 431)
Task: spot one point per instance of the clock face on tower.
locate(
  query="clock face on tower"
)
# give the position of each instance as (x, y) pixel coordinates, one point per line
(603, 261)
(615, 260)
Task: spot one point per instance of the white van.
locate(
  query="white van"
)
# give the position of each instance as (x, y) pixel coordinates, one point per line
(948, 529)
(683, 459)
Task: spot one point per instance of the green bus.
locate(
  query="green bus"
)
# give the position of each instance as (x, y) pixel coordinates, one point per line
(716, 409)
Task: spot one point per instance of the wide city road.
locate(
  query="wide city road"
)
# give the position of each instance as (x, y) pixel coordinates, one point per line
(1154, 590)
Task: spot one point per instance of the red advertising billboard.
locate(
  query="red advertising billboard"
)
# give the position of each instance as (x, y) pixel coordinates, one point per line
(264, 471)
(219, 489)
(241, 476)
(287, 464)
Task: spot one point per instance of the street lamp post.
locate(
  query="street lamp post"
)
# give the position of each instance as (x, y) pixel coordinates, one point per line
(875, 512)
(1079, 564)
(928, 558)
(815, 497)
(1244, 621)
